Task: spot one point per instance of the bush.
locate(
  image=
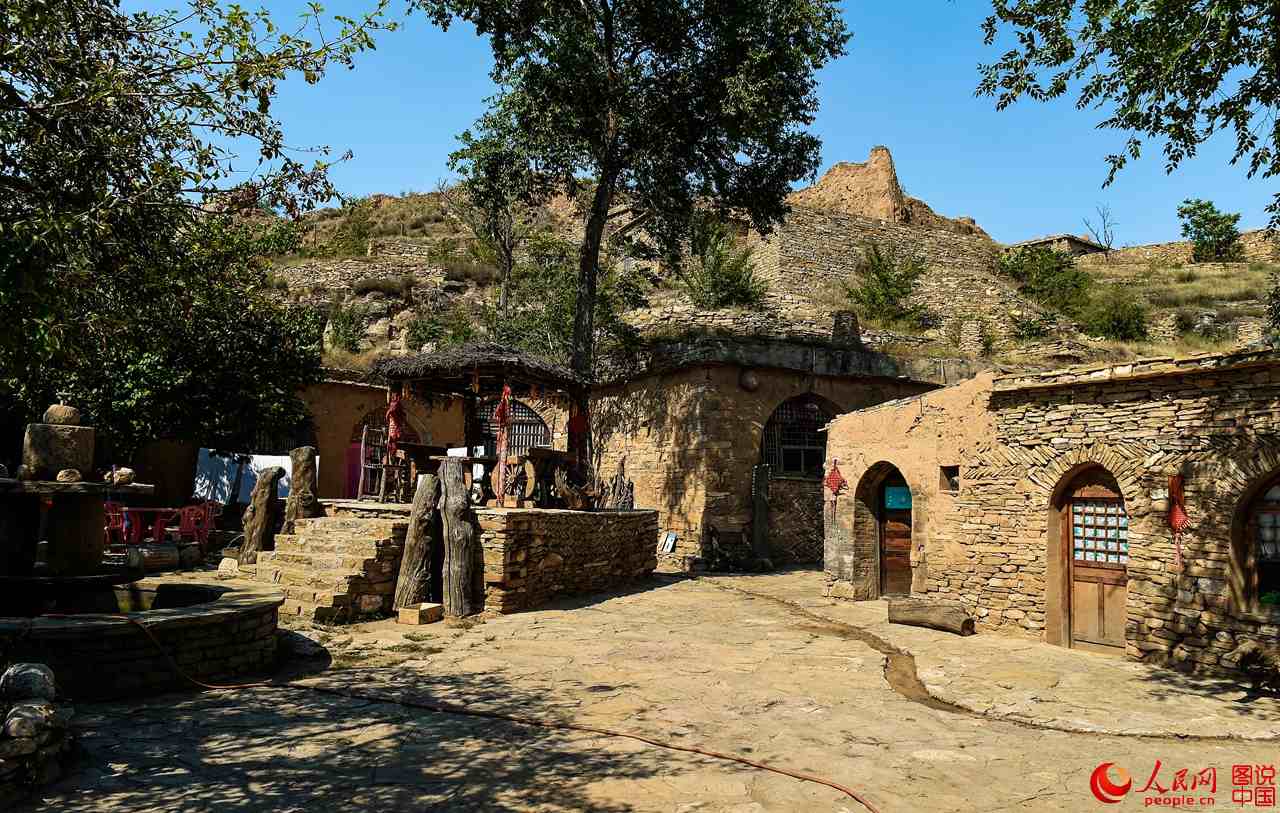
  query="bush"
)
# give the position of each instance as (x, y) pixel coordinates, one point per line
(721, 275)
(1031, 326)
(463, 269)
(883, 285)
(401, 286)
(1213, 234)
(1048, 277)
(1273, 304)
(453, 326)
(1118, 314)
(346, 328)
(351, 237)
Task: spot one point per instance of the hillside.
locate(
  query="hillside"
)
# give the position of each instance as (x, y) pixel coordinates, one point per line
(393, 261)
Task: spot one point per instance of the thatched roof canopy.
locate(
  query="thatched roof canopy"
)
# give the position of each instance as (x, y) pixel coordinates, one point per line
(458, 370)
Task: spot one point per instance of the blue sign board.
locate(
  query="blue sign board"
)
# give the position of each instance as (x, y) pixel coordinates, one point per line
(897, 498)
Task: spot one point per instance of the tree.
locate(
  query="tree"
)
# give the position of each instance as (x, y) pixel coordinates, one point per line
(657, 106)
(1213, 234)
(1169, 70)
(129, 231)
(492, 197)
(883, 285)
(721, 274)
(1104, 232)
(1049, 277)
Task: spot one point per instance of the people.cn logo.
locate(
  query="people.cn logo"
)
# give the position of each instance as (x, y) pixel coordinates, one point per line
(1106, 791)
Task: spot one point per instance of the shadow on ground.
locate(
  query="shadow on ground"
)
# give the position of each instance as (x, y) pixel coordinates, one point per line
(318, 747)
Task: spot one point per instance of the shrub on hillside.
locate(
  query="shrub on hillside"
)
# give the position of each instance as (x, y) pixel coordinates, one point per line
(1049, 278)
(401, 286)
(453, 326)
(351, 236)
(720, 275)
(346, 328)
(1213, 234)
(1273, 305)
(883, 284)
(1030, 326)
(1116, 313)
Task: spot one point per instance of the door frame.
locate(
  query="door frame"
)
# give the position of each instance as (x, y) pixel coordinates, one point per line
(891, 478)
(1096, 492)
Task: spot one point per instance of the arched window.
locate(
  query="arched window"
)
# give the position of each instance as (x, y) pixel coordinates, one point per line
(527, 429)
(793, 442)
(1262, 546)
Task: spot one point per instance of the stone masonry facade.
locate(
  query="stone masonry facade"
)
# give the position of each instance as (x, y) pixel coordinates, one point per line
(991, 544)
(532, 556)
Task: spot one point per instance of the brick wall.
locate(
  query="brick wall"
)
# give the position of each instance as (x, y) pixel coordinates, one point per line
(534, 555)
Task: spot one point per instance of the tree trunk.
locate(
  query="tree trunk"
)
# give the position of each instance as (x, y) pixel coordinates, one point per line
(588, 271)
(922, 613)
(303, 502)
(463, 577)
(415, 566)
(260, 516)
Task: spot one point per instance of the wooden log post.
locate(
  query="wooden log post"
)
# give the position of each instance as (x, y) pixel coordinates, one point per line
(463, 574)
(302, 502)
(260, 516)
(917, 612)
(415, 566)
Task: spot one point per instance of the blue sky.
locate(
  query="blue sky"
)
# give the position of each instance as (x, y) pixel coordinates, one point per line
(907, 83)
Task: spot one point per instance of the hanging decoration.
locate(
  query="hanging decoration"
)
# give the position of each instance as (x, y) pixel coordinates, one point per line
(1179, 520)
(395, 424)
(836, 484)
(502, 422)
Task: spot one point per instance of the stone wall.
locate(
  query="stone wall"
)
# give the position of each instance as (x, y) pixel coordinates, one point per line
(1255, 244)
(532, 556)
(688, 438)
(994, 546)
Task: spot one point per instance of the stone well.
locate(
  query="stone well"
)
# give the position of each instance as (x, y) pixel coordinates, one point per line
(214, 632)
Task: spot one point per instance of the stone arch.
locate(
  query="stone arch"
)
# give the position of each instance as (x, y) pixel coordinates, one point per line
(376, 418)
(794, 439)
(1072, 474)
(866, 521)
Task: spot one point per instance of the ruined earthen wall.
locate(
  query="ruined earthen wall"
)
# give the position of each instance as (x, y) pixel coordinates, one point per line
(534, 555)
(1255, 244)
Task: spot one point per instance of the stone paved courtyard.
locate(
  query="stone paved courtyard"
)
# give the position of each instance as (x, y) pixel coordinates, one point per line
(780, 677)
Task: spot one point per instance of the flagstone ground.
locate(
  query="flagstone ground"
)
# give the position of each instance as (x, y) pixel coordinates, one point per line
(755, 666)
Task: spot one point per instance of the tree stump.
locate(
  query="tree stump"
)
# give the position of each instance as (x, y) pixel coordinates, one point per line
(463, 574)
(415, 566)
(303, 502)
(260, 516)
(917, 612)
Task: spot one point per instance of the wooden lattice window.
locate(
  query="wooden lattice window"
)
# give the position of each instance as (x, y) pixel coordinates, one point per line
(525, 431)
(1099, 532)
(1263, 555)
(793, 441)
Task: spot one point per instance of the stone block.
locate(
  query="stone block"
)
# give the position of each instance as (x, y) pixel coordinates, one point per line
(50, 448)
(421, 614)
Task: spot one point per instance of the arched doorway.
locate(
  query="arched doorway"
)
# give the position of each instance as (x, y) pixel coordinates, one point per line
(894, 532)
(375, 418)
(525, 431)
(787, 526)
(1093, 544)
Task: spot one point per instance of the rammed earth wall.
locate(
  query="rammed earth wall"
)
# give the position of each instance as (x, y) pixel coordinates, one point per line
(1019, 440)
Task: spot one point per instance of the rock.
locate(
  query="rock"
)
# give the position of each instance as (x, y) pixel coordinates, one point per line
(299, 644)
(49, 448)
(62, 415)
(69, 476)
(228, 568)
(28, 681)
(378, 330)
(426, 613)
(260, 516)
(31, 718)
(302, 502)
(121, 477)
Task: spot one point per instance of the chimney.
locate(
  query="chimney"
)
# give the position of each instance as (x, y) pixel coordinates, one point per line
(844, 329)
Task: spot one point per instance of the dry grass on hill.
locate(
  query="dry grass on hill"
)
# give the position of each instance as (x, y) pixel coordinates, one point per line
(1201, 285)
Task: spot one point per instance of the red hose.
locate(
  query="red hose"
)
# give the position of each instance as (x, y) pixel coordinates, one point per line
(445, 708)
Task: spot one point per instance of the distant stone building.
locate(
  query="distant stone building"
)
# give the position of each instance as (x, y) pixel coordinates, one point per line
(1043, 503)
(1072, 244)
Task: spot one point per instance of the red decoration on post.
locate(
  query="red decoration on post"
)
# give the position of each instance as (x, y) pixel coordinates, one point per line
(395, 424)
(502, 420)
(835, 481)
(1179, 520)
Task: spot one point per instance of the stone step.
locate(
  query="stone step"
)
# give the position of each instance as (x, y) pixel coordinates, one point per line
(315, 560)
(321, 613)
(291, 543)
(375, 527)
(337, 581)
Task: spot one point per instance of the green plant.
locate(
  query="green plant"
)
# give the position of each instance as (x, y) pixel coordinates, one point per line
(346, 328)
(1116, 313)
(1189, 275)
(986, 338)
(1031, 326)
(721, 275)
(1213, 234)
(1273, 304)
(453, 326)
(401, 286)
(1049, 277)
(883, 284)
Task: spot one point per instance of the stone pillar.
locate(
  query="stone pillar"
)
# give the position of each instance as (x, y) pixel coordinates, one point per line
(1164, 327)
(260, 516)
(971, 336)
(1248, 330)
(302, 502)
(845, 331)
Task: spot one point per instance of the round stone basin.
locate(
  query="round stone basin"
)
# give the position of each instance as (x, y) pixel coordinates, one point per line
(215, 633)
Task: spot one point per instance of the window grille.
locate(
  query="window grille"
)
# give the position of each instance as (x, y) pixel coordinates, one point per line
(1264, 534)
(793, 442)
(525, 430)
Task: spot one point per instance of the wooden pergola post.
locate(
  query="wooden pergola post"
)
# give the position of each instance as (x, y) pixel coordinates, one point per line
(463, 575)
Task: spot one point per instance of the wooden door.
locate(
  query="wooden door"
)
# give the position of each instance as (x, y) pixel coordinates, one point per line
(1097, 530)
(895, 537)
